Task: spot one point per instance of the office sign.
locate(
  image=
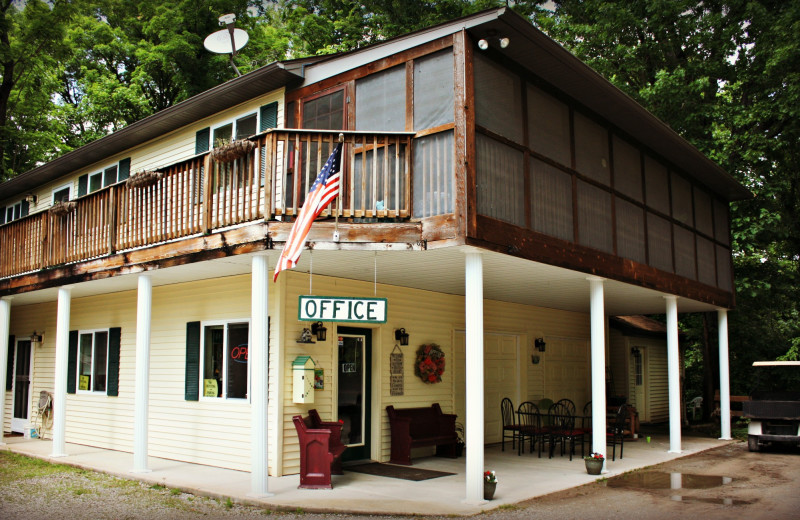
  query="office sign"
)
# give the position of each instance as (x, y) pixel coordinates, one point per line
(341, 309)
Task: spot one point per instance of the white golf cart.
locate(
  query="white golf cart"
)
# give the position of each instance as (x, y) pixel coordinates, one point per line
(774, 415)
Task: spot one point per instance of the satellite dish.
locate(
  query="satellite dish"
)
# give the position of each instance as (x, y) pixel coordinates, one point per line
(220, 42)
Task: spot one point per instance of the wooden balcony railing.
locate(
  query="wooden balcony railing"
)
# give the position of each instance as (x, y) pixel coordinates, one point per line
(201, 195)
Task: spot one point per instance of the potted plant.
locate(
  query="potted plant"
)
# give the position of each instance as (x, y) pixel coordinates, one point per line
(594, 463)
(489, 485)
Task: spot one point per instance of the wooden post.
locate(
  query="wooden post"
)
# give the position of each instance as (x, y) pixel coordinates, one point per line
(112, 219)
(207, 166)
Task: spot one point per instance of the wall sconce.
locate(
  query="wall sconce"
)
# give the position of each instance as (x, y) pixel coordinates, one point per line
(535, 359)
(401, 335)
(319, 330)
(539, 344)
(635, 352)
(36, 340)
(30, 198)
(491, 36)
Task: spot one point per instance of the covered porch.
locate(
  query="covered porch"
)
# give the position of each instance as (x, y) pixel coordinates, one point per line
(519, 478)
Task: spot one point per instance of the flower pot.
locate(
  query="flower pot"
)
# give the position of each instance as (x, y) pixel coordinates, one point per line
(593, 466)
(488, 490)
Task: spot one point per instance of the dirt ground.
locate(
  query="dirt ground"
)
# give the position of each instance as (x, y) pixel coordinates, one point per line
(763, 485)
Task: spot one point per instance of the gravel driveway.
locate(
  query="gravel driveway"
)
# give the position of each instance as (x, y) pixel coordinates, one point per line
(761, 486)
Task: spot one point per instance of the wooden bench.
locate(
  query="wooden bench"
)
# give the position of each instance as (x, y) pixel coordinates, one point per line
(320, 451)
(734, 399)
(336, 436)
(420, 427)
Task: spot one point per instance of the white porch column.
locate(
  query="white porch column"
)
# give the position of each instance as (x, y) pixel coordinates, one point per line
(144, 308)
(598, 355)
(62, 359)
(473, 303)
(5, 347)
(258, 357)
(673, 375)
(724, 377)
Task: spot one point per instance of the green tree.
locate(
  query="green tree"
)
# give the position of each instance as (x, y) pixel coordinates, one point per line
(724, 74)
(31, 43)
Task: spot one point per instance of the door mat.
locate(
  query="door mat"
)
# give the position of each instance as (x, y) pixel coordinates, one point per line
(392, 471)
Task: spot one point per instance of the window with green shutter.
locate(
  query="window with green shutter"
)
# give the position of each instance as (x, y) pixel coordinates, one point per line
(10, 365)
(192, 373)
(201, 139)
(268, 116)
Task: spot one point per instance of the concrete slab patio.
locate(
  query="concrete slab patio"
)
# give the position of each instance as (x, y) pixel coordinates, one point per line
(519, 478)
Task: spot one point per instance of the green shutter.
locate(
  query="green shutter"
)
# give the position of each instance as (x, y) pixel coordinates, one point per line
(124, 169)
(72, 361)
(201, 139)
(25, 208)
(268, 116)
(83, 185)
(10, 367)
(192, 382)
(112, 386)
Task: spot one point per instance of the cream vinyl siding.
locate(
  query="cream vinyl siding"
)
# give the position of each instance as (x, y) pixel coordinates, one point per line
(428, 317)
(207, 432)
(24, 320)
(658, 392)
(159, 152)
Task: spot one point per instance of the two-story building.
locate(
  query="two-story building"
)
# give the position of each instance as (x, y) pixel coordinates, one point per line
(499, 199)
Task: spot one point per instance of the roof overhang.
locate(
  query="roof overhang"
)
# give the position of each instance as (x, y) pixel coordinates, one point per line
(231, 93)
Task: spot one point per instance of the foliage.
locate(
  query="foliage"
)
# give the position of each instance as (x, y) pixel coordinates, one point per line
(726, 76)
(490, 477)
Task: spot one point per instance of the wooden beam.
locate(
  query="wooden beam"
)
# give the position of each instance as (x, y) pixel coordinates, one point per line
(531, 245)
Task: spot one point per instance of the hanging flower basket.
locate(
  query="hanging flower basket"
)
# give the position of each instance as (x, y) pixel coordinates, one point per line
(143, 179)
(429, 365)
(59, 209)
(232, 151)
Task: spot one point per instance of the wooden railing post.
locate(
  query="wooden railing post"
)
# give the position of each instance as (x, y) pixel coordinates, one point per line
(266, 165)
(112, 219)
(208, 164)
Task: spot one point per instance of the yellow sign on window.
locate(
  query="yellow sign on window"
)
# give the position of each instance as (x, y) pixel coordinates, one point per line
(210, 388)
(83, 384)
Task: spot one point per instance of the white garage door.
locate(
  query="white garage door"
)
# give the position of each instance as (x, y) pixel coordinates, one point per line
(500, 379)
(567, 370)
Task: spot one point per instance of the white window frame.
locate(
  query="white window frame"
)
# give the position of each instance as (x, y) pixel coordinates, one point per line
(102, 173)
(55, 190)
(232, 121)
(224, 378)
(91, 391)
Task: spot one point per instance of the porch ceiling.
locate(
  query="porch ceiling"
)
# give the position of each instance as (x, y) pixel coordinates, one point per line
(506, 278)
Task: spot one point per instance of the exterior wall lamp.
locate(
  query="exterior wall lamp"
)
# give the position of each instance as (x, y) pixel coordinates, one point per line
(30, 198)
(635, 352)
(401, 335)
(539, 344)
(36, 340)
(319, 330)
(491, 36)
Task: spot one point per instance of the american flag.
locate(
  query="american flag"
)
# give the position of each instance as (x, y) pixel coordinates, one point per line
(323, 191)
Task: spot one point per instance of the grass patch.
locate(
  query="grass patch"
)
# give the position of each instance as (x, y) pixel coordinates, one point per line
(158, 487)
(19, 467)
(174, 492)
(508, 507)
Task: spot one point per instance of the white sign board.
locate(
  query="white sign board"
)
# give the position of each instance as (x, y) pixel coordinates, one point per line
(334, 308)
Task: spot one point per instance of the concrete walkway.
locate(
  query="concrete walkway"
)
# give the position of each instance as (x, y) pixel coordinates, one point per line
(519, 478)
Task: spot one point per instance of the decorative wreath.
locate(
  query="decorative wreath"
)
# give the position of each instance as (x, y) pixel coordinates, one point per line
(429, 365)
(232, 151)
(144, 179)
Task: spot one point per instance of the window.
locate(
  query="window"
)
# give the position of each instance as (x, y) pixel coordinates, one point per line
(62, 194)
(14, 212)
(325, 112)
(92, 360)
(109, 175)
(224, 348)
(638, 369)
(241, 128)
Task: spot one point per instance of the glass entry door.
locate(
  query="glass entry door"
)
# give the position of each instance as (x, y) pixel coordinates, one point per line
(22, 386)
(353, 390)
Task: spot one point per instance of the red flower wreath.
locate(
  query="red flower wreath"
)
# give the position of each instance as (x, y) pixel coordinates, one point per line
(429, 365)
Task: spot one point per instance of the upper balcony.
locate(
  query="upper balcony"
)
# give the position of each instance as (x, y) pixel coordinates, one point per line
(268, 180)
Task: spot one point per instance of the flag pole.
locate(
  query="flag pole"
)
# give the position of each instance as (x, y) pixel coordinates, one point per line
(339, 199)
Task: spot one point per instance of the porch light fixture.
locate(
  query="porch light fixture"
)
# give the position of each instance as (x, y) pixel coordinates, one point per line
(36, 339)
(635, 352)
(30, 198)
(491, 36)
(539, 344)
(319, 330)
(401, 335)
